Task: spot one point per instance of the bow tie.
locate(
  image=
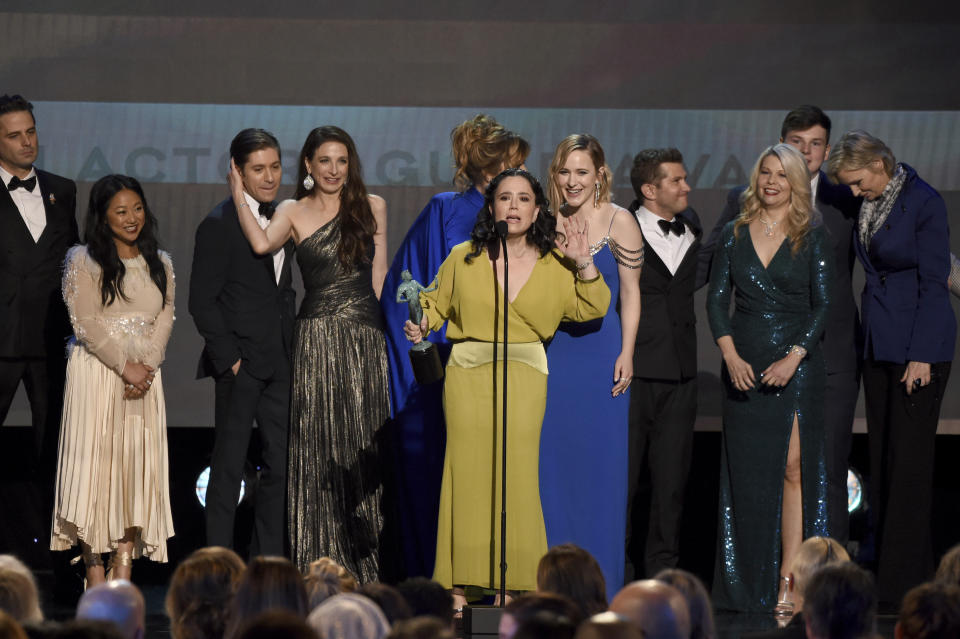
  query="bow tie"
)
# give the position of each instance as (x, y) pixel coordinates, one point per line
(676, 226)
(267, 209)
(28, 184)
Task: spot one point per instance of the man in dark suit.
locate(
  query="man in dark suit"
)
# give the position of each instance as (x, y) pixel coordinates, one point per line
(807, 128)
(243, 306)
(663, 395)
(37, 225)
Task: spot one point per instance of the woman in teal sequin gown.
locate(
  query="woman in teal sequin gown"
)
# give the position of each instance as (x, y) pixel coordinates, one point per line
(775, 262)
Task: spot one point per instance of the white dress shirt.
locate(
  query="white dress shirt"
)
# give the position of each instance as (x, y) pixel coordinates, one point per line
(254, 209)
(669, 247)
(814, 183)
(29, 203)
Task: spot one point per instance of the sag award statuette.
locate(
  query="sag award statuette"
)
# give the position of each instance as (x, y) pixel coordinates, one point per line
(424, 357)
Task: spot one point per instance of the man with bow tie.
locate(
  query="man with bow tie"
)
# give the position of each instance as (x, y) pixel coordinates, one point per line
(37, 225)
(663, 395)
(243, 306)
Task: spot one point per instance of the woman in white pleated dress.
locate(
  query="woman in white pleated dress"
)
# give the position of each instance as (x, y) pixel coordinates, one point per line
(112, 492)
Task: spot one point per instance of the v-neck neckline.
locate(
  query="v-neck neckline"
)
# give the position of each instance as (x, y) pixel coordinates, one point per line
(756, 253)
(493, 270)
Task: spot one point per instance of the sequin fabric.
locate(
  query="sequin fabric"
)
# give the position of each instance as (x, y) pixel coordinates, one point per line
(339, 403)
(127, 329)
(775, 308)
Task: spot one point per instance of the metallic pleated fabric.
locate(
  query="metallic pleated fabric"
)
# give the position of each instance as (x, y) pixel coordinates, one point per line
(776, 307)
(340, 401)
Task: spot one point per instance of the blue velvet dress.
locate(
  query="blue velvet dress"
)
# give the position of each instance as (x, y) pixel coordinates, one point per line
(417, 410)
(583, 444)
(775, 308)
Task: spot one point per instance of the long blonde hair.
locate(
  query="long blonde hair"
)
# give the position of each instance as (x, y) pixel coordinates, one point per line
(578, 142)
(796, 226)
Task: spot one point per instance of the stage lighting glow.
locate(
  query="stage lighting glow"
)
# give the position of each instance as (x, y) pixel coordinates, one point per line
(203, 479)
(854, 491)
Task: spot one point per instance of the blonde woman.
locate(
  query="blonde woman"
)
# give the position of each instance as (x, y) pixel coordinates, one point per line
(908, 340)
(774, 261)
(591, 366)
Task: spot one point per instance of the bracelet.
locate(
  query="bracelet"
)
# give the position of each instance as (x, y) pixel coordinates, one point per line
(242, 205)
(584, 266)
(799, 350)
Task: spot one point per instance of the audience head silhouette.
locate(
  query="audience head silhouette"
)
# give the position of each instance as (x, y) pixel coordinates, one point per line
(658, 609)
(119, 602)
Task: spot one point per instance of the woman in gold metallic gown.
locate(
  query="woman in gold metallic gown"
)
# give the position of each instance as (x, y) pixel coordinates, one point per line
(339, 396)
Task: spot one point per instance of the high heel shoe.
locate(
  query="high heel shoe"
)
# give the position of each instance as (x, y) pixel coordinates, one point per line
(124, 559)
(784, 609)
(459, 602)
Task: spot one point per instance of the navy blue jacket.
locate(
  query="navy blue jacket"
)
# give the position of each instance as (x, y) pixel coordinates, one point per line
(905, 306)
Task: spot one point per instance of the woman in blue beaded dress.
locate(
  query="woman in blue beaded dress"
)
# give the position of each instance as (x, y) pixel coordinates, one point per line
(583, 445)
(775, 262)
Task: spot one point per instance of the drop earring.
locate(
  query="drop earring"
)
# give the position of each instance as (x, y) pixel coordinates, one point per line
(596, 195)
(308, 182)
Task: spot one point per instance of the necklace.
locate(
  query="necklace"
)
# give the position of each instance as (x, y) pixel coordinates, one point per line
(769, 228)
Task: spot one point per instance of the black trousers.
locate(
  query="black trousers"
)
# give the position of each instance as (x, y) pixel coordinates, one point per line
(840, 405)
(43, 379)
(902, 435)
(239, 400)
(662, 414)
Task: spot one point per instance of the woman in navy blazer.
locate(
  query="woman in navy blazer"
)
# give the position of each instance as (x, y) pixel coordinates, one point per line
(909, 330)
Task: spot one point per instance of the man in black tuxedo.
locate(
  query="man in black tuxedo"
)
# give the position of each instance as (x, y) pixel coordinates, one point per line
(243, 306)
(663, 395)
(807, 128)
(37, 225)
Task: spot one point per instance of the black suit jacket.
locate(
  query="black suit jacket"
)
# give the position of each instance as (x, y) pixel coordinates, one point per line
(666, 336)
(33, 318)
(838, 208)
(238, 306)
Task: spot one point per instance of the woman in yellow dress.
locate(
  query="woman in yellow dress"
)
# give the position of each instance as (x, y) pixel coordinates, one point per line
(546, 286)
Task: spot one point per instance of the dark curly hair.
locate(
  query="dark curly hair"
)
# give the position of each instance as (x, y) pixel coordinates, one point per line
(102, 248)
(541, 234)
(357, 224)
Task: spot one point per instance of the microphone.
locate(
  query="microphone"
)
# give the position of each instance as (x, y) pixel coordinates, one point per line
(501, 229)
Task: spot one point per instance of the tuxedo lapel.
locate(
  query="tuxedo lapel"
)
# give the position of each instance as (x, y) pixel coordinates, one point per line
(652, 259)
(13, 221)
(54, 226)
(691, 253)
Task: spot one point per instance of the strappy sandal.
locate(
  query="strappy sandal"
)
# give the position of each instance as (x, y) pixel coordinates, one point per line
(119, 559)
(90, 560)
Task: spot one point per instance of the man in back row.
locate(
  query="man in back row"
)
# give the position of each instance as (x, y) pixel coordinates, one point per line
(37, 225)
(807, 128)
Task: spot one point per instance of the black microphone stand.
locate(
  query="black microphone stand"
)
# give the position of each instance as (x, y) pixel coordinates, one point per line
(501, 228)
(481, 620)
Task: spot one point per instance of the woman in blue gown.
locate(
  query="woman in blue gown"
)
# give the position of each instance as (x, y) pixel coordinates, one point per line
(775, 261)
(583, 445)
(481, 149)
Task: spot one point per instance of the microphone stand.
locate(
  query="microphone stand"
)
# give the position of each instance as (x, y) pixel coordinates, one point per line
(501, 228)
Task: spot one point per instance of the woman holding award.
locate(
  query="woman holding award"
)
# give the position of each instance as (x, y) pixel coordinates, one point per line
(546, 286)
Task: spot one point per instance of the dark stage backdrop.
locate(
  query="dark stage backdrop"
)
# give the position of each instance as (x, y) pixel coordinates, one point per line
(158, 92)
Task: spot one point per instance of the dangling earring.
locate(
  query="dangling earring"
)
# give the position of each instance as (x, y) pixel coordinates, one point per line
(596, 195)
(308, 182)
